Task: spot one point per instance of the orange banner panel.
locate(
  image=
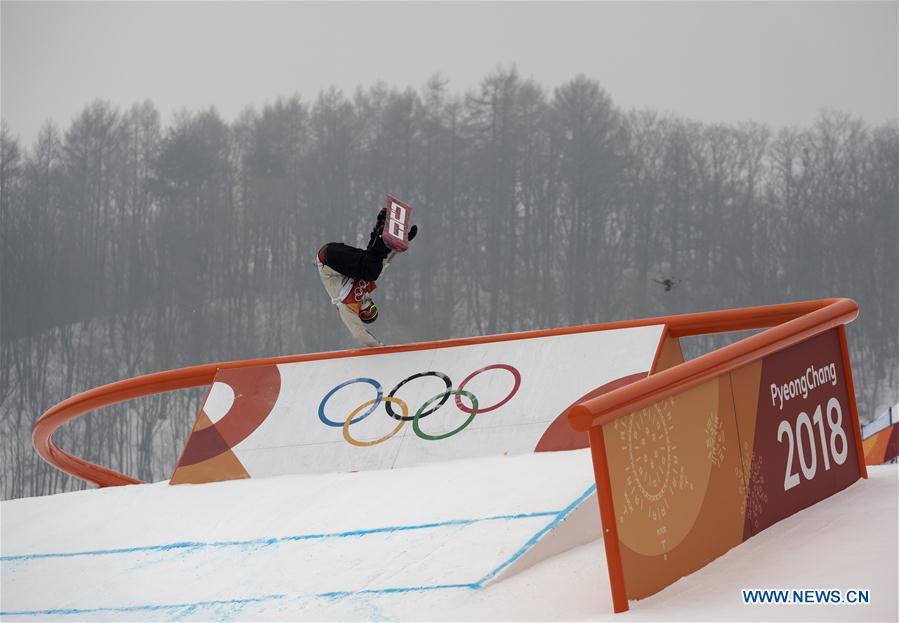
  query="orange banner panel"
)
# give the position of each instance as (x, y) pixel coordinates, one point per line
(698, 472)
(882, 446)
(676, 477)
(804, 445)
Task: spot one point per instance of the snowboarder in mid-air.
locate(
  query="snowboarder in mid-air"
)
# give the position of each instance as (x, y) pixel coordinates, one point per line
(349, 273)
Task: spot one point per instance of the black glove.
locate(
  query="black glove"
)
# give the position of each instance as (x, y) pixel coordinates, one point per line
(375, 235)
(413, 231)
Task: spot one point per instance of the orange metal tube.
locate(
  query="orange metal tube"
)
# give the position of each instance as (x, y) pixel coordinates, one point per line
(195, 376)
(607, 516)
(853, 408)
(802, 322)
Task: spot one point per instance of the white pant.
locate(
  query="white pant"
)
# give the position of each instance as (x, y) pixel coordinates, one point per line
(333, 282)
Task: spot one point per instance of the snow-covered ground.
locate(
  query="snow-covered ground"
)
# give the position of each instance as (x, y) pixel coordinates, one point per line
(460, 540)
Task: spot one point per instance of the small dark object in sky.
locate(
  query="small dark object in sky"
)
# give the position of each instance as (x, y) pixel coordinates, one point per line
(668, 282)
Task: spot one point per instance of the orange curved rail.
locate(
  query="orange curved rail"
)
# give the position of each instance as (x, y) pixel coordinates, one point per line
(815, 316)
(788, 327)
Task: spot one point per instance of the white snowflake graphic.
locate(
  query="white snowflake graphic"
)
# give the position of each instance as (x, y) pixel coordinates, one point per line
(753, 503)
(654, 470)
(715, 441)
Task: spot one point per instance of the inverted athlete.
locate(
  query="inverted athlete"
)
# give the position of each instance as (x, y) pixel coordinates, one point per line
(349, 275)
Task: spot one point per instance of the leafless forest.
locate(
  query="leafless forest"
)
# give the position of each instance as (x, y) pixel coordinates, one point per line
(132, 244)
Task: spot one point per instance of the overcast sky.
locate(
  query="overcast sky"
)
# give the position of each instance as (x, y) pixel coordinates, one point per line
(713, 61)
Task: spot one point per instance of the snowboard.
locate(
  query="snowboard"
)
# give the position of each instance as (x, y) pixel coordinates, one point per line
(397, 224)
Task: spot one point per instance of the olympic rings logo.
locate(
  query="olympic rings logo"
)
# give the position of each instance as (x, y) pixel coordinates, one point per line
(427, 408)
(360, 290)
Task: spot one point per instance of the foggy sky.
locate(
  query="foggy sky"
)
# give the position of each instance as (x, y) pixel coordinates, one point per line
(715, 61)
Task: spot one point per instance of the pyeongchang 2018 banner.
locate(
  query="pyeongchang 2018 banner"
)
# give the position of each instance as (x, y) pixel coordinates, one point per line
(702, 471)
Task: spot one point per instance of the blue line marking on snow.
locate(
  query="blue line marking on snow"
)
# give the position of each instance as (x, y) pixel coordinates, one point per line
(403, 589)
(560, 517)
(191, 606)
(264, 542)
(238, 602)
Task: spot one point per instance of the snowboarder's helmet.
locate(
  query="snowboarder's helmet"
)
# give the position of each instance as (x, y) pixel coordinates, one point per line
(369, 314)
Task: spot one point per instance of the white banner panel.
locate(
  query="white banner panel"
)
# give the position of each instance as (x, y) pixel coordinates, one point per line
(406, 408)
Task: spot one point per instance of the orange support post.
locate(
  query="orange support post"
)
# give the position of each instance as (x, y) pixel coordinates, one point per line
(607, 515)
(853, 408)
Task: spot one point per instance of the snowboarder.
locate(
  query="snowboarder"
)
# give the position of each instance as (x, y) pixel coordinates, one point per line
(349, 274)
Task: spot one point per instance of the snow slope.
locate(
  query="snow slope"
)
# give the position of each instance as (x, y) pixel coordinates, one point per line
(438, 542)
